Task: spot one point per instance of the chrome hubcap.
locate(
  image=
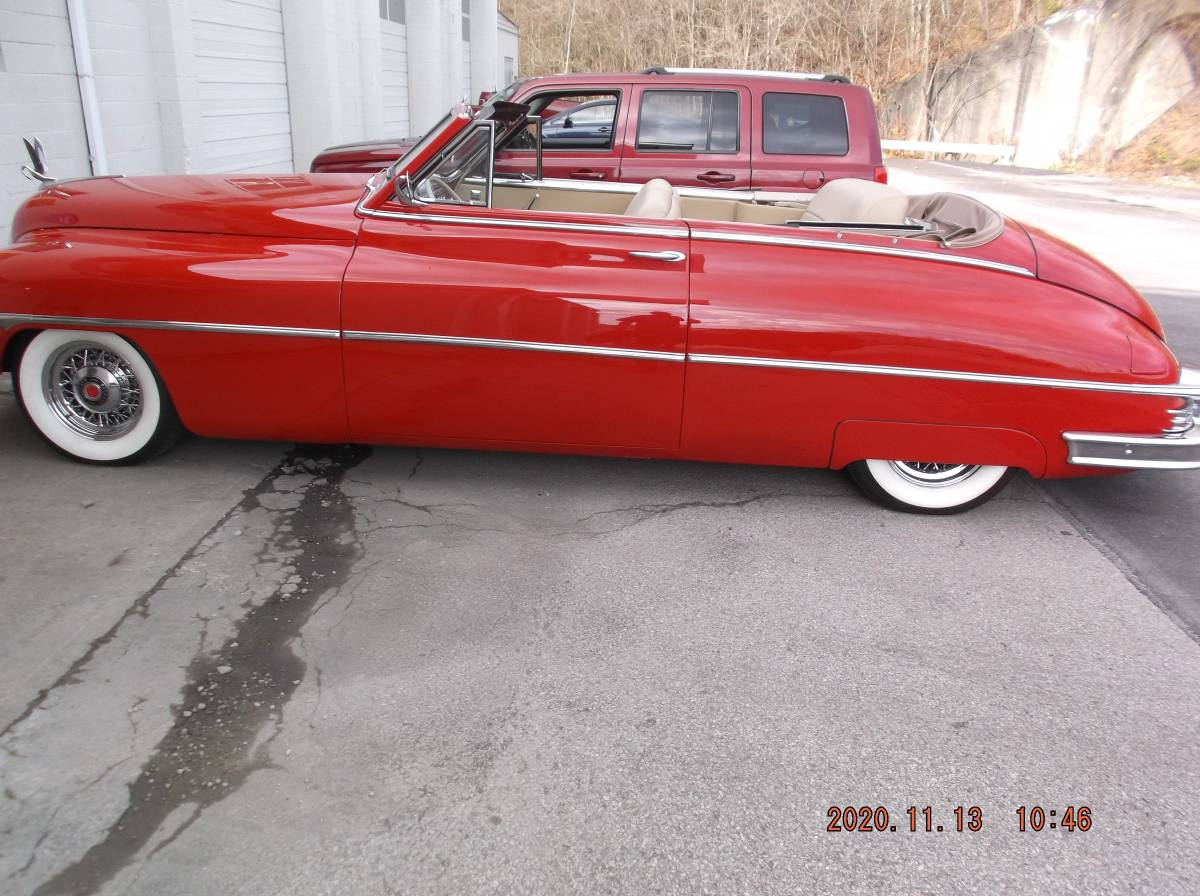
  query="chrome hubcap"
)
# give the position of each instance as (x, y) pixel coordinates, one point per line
(93, 391)
(933, 475)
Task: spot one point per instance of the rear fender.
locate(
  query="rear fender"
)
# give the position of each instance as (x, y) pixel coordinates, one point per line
(937, 443)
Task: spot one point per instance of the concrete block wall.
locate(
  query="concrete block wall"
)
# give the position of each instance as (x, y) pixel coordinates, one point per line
(1084, 82)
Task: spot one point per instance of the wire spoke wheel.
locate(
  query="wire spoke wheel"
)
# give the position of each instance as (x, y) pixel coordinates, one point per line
(93, 391)
(95, 397)
(928, 487)
(933, 474)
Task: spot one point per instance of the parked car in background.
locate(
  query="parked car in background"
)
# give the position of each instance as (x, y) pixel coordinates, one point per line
(694, 127)
(924, 343)
(585, 126)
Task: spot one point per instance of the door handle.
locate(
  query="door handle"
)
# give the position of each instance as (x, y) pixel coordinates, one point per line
(587, 174)
(668, 255)
(715, 177)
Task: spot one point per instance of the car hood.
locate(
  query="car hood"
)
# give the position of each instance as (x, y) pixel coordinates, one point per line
(291, 206)
(367, 157)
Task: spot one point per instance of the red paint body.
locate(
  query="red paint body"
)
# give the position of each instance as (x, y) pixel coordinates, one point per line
(294, 252)
(749, 166)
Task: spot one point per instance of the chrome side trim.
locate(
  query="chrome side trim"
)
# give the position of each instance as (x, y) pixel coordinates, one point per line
(8, 320)
(1184, 389)
(639, 230)
(1187, 387)
(1170, 451)
(771, 240)
(563, 348)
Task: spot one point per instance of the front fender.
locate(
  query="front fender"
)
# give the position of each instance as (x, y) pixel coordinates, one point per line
(243, 330)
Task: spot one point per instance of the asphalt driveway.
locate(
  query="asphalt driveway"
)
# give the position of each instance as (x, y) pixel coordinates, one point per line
(296, 669)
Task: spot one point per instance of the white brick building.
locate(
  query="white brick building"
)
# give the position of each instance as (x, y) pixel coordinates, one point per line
(231, 85)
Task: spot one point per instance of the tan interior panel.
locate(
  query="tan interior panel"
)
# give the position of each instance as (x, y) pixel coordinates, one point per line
(604, 202)
(578, 201)
(749, 213)
(956, 220)
(708, 209)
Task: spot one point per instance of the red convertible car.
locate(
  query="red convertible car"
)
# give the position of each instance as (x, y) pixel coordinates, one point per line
(925, 343)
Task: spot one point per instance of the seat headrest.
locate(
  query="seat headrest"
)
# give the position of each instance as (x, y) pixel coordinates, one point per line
(656, 199)
(852, 201)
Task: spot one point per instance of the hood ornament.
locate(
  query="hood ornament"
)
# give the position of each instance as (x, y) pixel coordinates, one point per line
(37, 155)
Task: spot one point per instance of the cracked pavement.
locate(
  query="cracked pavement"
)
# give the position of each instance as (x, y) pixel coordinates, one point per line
(315, 669)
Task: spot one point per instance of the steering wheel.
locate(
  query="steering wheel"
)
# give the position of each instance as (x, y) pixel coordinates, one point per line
(438, 189)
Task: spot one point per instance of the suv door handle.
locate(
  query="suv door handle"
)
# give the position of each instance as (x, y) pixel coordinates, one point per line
(668, 255)
(587, 174)
(715, 177)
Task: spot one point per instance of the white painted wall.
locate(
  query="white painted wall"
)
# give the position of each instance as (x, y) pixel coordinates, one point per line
(395, 79)
(485, 70)
(334, 56)
(242, 76)
(508, 62)
(38, 94)
(231, 85)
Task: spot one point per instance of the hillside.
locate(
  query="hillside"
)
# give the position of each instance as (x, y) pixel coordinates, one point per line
(874, 42)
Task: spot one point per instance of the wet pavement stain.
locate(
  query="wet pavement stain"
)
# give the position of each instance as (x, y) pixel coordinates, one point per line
(233, 694)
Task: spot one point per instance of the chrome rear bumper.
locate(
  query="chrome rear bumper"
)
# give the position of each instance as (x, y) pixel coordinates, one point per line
(1175, 449)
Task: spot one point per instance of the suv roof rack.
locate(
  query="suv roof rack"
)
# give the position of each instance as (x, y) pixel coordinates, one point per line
(801, 76)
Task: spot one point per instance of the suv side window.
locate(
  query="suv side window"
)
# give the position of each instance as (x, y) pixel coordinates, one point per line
(688, 121)
(804, 124)
(571, 121)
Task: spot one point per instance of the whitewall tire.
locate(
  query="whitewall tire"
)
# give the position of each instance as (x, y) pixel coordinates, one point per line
(95, 397)
(918, 487)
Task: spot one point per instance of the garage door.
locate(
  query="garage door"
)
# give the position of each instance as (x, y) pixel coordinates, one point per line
(242, 84)
(395, 79)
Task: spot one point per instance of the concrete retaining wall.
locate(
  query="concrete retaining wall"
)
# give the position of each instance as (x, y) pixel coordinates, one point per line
(1084, 82)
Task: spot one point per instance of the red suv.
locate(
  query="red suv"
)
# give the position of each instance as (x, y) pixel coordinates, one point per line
(694, 127)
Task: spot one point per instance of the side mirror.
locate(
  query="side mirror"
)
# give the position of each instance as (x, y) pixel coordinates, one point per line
(36, 171)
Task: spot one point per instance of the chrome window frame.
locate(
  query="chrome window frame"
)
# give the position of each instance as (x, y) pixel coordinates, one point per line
(426, 170)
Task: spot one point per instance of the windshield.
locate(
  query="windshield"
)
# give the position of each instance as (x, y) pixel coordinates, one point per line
(420, 146)
(483, 112)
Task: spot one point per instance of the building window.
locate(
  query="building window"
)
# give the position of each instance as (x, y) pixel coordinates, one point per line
(466, 9)
(392, 10)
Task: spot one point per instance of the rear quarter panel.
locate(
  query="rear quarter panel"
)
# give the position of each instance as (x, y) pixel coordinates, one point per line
(811, 304)
(234, 385)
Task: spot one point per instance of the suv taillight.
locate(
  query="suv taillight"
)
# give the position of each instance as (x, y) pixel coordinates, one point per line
(880, 174)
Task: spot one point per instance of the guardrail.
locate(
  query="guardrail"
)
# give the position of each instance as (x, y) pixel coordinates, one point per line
(996, 150)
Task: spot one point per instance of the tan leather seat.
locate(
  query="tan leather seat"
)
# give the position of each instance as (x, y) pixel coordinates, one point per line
(656, 199)
(850, 201)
